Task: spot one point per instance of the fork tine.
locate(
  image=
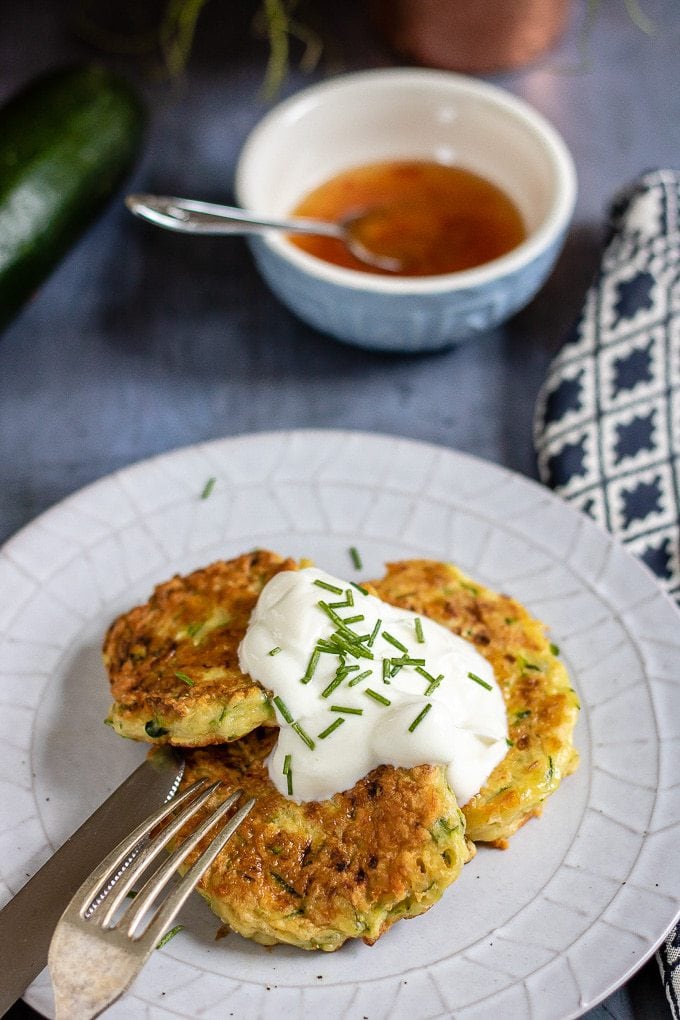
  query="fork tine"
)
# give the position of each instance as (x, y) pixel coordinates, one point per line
(174, 902)
(148, 853)
(108, 868)
(91, 966)
(156, 883)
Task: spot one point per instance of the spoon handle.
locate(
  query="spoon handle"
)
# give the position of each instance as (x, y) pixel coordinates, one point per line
(189, 216)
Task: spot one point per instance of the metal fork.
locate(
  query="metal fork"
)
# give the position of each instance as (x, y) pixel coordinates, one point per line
(94, 954)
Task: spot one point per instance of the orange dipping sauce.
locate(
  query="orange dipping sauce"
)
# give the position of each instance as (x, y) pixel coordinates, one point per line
(434, 218)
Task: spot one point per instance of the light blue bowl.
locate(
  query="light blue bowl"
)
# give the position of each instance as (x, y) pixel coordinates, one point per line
(407, 114)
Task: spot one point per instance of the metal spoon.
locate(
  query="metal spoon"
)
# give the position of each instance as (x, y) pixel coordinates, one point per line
(188, 216)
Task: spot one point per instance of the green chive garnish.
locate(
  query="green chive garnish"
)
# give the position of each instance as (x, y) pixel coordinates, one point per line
(283, 708)
(355, 557)
(509, 742)
(169, 935)
(554, 649)
(433, 685)
(208, 488)
(305, 737)
(329, 729)
(419, 718)
(359, 588)
(420, 637)
(311, 665)
(185, 679)
(377, 697)
(395, 642)
(423, 672)
(335, 683)
(353, 619)
(274, 651)
(359, 677)
(289, 782)
(375, 632)
(286, 764)
(386, 670)
(346, 710)
(478, 680)
(328, 587)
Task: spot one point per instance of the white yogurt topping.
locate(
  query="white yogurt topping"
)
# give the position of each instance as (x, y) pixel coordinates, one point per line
(464, 727)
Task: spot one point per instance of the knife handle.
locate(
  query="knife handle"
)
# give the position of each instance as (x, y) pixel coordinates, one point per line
(28, 921)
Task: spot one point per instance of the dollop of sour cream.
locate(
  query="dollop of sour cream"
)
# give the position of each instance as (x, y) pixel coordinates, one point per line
(358, 683)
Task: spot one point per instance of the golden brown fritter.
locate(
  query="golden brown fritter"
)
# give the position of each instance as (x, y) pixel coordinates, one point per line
(173, 662)
(316, 874)
(542, 706)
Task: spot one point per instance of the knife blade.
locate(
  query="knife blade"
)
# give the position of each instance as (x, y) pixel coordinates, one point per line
(28, 921)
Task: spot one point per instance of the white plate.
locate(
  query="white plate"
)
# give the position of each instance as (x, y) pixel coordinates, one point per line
(544, 930)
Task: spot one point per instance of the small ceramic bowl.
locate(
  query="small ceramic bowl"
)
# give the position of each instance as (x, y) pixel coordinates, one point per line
(384, 115)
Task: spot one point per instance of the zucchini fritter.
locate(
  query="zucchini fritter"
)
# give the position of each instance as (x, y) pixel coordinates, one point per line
(173, 662)
(542, 707)
(316, 874)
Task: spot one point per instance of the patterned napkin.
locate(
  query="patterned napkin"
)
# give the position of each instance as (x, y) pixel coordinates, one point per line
(607, 422)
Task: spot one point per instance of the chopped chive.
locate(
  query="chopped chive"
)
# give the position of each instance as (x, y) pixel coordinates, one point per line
(386, 670)
(419, 718)
(283, 708)
(311, 665)
(374, 633)
(328, 587)
(274, 651)
(423, 672)
(169, 935)
(222, 714)
(550, 771)
(377, 697)
(359, 588)
(208, 487)
(289, 782)
(349, 596)
(324, 645)
(286, 764)
(420, 637)
(305, 737)
(185, 679)
(355, 557)
(353, 619)
(333, 685)
(405, 660)
(346, 710)
(329, 729)
(478, 680)
(554, 649)
(359, 677)
(509, 742)
(433, 685)
(395, 642)
(344, 643)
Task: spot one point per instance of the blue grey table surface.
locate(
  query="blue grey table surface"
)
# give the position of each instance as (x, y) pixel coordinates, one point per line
(141, 341)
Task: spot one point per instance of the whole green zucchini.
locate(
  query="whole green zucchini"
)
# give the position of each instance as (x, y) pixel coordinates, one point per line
(66, 142)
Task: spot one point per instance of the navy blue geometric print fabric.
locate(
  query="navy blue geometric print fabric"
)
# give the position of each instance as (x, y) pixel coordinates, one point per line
(607, 425)
(607, 421)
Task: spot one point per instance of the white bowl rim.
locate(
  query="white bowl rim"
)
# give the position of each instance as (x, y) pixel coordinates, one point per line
(538, 241)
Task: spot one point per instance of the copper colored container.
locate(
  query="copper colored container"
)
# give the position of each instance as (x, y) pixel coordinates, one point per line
(474, 36)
